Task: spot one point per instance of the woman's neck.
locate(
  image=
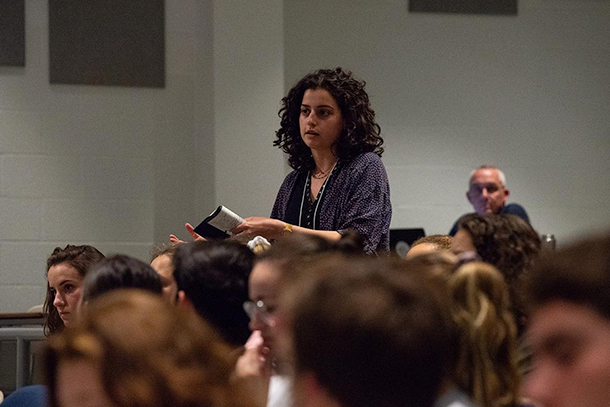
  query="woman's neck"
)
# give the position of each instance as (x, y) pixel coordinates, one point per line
(324, 160)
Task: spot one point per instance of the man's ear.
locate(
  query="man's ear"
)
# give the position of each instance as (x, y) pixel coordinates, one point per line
(506, 194)
(468, 197)
(183, 301)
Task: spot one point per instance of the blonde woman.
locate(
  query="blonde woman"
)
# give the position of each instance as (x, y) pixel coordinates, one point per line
(487, 358)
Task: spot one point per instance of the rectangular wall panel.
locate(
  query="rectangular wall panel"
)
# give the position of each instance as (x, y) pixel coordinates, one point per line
(508, 7)
(12, 32)
(107, 42)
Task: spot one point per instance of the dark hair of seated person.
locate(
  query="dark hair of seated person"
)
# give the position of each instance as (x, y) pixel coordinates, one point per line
(214, 277)
(512, 246)
(297, 249)
(373, 331)
(120, 271)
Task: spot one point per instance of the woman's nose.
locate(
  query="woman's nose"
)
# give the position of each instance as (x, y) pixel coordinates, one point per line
(311, 119)
(540, 385)
(57, 301)
(256, 323)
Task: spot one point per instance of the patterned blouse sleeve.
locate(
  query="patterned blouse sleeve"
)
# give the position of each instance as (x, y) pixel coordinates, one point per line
(367, 208)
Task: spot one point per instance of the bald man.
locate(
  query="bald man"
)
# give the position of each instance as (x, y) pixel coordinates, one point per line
(487, 193)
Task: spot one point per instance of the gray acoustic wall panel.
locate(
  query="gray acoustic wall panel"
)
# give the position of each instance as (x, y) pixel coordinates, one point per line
(12, 32)
(107, 42)
(508, 7)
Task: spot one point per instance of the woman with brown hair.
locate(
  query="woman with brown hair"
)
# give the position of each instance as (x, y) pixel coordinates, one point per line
(130, 348)
(66, 269)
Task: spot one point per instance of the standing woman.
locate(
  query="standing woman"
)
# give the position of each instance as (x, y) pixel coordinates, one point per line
(338, 182)
(66, 269)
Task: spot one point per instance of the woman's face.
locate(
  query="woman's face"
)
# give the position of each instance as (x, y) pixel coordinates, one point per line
(66, 284)
(165, 269)
(264, 287)
(320, 121)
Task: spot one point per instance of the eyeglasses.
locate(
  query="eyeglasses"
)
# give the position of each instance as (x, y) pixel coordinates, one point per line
(257, 308)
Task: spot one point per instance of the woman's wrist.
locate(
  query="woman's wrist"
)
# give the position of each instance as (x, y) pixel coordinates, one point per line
(287, 229)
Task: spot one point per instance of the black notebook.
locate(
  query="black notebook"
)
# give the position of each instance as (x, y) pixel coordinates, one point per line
(219, 224)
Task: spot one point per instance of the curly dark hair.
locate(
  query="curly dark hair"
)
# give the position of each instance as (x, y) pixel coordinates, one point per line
(360, 132)
(82, 258)
(509, 243)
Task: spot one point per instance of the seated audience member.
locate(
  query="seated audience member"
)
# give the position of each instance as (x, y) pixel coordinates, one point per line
(130, 349)
(505, 241)
(488, 194)
(261, 357)
(120, 271)
(162, 261)
(212, 277)
(66, 269)
(429, 244)
(370, 332)
(487, 361)
(28, 396)
(569, 333)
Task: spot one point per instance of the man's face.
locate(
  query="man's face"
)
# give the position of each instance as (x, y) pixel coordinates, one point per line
(571, 353)
(487, 194)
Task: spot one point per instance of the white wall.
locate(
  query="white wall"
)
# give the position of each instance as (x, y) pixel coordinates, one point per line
(529, 93)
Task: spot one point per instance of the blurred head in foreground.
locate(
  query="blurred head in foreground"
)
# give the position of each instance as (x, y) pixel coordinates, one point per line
(569, 332)
(285, 257)
(368, 332)
(131, 349)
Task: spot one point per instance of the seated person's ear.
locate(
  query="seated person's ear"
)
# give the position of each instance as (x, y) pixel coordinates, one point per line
(184, 301)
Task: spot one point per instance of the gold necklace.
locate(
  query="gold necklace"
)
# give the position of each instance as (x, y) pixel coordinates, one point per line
(323, 174)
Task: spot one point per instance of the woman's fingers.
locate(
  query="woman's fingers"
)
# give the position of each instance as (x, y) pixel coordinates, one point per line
(191, 230)
(174, 239)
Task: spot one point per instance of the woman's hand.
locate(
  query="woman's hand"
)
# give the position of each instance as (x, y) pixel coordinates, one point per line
(258, 226)
(189, 228)
(253, 370)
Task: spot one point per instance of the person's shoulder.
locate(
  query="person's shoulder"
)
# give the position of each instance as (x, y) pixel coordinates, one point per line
(515, 209)
(291, 177)
(364, 161)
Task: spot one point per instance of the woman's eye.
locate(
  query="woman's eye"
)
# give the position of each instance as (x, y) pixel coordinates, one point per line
(68, 287)
(565, 353)
(305, 112)
(324, 113)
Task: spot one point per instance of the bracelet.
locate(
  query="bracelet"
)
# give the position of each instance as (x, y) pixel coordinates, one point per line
(287, 228)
